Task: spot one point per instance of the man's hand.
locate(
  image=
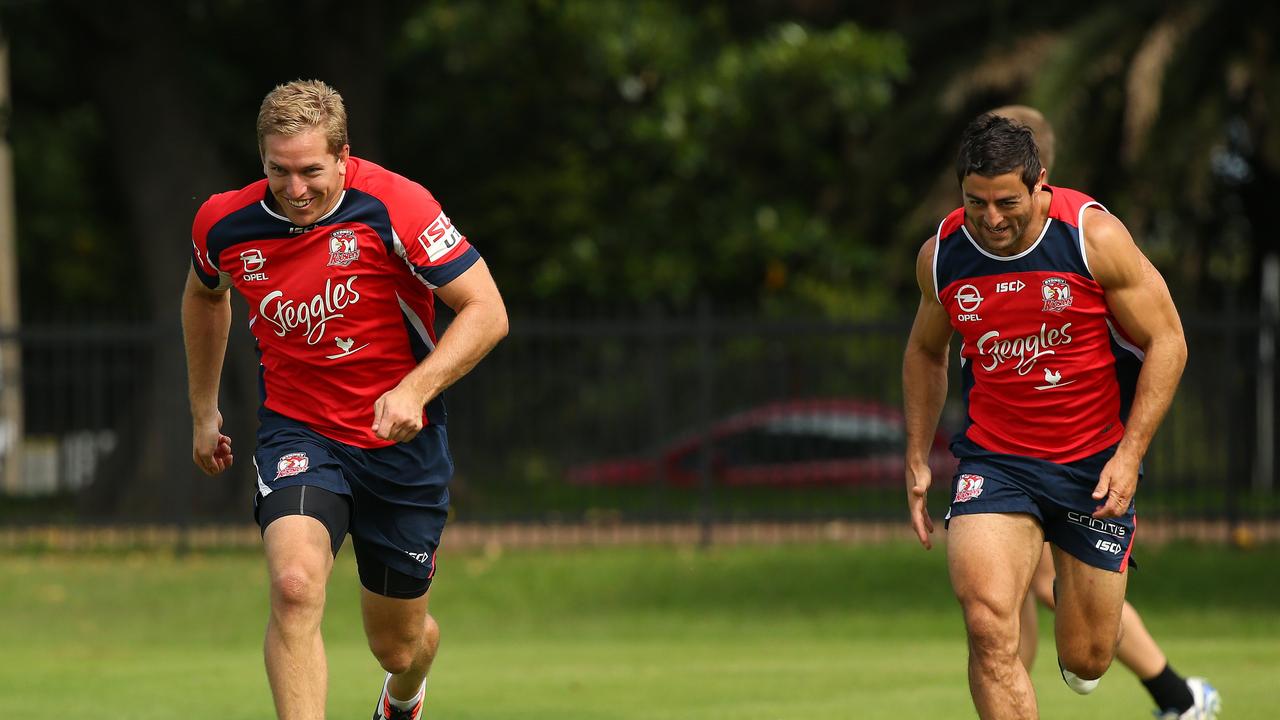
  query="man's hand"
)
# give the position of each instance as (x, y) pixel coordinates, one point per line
(1116, 486)
(918, 481)
(397, 414)
(210, 449)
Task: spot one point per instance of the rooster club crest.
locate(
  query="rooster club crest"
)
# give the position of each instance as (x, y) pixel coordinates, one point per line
(343, 248)
(968, 487)
(293, 463)
(1056, 293)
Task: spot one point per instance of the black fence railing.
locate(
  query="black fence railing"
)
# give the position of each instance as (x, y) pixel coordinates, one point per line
(617, 417)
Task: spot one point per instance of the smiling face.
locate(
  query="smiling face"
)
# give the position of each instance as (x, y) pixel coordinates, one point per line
(1001, 213)
(305, 178)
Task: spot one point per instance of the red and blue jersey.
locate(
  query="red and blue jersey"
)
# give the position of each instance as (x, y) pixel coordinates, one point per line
(343, 309)
(1047, 371)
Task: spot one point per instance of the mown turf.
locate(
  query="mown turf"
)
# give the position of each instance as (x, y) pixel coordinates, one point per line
(804, 632)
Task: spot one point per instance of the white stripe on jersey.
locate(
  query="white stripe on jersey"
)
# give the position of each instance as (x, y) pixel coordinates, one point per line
(1009, 258)
(1115, 335)
(319, 220)
(937, 250)
(416, 322)
(404, 255)
(1080, 226)
(262, 487)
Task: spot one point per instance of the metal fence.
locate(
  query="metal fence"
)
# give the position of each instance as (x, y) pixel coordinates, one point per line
(609, 417)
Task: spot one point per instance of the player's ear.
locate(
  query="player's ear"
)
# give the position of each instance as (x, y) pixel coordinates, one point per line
(343, 155)
(1040, 179)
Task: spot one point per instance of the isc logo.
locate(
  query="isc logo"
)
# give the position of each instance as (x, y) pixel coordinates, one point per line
(1112, 547)
(1012, 286)
(439, 238)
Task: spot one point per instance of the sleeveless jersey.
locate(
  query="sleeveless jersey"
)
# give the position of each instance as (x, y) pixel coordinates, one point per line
(1046, 370)
(340, 310)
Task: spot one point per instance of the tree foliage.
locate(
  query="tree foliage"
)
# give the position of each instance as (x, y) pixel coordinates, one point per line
(640, 153)
(767, 155)
(595, 151)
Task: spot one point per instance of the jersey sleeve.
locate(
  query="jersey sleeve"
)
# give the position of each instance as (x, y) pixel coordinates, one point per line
(205, 265)
(426, 238)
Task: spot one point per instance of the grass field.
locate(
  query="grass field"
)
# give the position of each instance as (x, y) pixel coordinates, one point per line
(803, 632)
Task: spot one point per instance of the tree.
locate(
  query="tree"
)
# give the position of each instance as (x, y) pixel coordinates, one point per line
(641, 153)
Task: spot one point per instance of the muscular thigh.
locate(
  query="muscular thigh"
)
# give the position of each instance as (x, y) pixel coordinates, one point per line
(390, 619)
(1089, 599)
(1086, 593)
(991, 557)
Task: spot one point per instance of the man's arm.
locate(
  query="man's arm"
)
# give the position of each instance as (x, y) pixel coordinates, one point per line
(924, 390)
(1137, 296)
(480, 323)
(206, 322)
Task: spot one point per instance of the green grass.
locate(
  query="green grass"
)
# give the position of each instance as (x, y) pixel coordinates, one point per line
(804, 632)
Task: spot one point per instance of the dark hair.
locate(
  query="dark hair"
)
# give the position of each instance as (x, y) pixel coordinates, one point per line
(993, 145)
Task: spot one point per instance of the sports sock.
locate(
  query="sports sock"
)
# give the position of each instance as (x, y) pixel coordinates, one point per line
(407, 704)
(1170, 691)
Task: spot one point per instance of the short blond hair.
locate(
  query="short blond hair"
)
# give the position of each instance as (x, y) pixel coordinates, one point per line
(1040, 128)
(301, 105)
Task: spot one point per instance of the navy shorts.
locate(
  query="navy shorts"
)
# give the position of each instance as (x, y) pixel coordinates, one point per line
(1059, 496)
(399, 494)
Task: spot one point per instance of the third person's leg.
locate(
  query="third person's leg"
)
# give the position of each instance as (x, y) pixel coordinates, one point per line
(1138, 650)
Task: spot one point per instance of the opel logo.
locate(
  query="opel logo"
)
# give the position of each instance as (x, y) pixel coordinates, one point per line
(968, 298)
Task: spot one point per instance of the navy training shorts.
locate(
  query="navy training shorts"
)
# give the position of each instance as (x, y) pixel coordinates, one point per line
(399, 494)
(1059, 496)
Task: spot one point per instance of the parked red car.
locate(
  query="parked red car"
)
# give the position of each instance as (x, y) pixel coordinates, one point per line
(824, 441)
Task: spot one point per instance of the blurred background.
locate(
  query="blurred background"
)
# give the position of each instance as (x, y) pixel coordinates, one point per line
(703, 216)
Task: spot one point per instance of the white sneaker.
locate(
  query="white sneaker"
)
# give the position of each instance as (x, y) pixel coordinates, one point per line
(1076, 683)
(1207, 702)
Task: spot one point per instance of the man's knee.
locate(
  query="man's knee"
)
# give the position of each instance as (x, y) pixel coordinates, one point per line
(1088, 658)
(396, 652)
(993, 630)
(299, 563)
(395, 658)
(297, 600)
(297, 588)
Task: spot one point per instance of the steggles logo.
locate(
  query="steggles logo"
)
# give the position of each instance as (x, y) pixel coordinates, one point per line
(311, 316)
(1025, 350)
